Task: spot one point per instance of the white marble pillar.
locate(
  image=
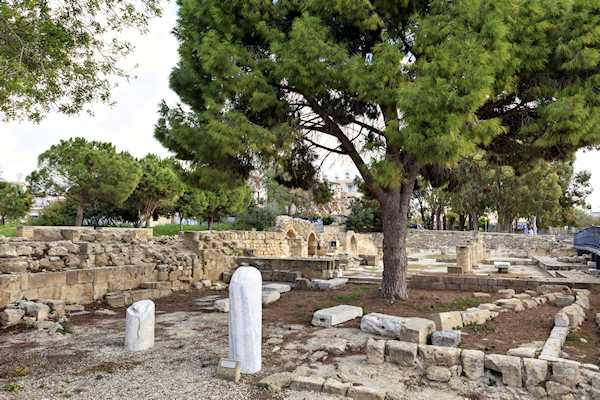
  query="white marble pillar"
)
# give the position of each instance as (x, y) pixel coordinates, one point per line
(245, 319)
(139, 326)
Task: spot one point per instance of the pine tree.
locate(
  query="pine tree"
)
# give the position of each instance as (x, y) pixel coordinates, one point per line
(403, 88)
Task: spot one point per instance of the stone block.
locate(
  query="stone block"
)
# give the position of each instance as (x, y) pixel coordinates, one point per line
(415, 330)
(39, 311)
(270, 296)
(556, 390)
(229, 370)
(335, 387)
(473, 363)
(365, 393)
(506, 293)
(222, 305)
(446, 338)
(446, 321)
(11, 316)
(525, 352)
(332, 316)
(536, 372)
(438, 355)
(438, 374)
(511, 304)
(545, 289)
(509, 367)
(329, 284)
(566, 373)
(375, 350)
(475, 317)
(277, 382)
(563, 300)
(310, 383)
(401, 353)
(575, 315)
(280, 287)
(7, 250)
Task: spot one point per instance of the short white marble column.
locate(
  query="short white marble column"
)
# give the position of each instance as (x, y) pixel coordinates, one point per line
(139, 326)
(245, 319)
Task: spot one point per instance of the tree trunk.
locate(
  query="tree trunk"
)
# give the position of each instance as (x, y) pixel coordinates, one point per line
(147, 220)
(395, 206)
(210, 223)
(79, 217)
(461, 222)
(3, 220)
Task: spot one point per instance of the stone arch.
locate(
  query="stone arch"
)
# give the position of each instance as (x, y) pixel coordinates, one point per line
(353, 245)
(312, 244)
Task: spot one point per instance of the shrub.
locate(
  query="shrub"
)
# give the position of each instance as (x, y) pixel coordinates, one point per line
(256, 218)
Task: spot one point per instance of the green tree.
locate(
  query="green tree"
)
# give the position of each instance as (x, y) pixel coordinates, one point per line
(224, 202)
(191, 204)
(365, 216)
(15, 201)
(85, 173)
(159, 186)
(61, 54)
(401, 88)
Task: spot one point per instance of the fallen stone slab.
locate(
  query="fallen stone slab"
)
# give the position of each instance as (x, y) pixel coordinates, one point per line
(524, 352)
(270, 296)
(335, 387)
(11, 316)
(481, 295)
(310, 383)
(563, 300)
(511, 304)
(488, 306)
(446, 338)
(414, 330)
(375, 351)
(332, 316)
(545, 289)
(280, 287)
(329, 284)
(365, 393)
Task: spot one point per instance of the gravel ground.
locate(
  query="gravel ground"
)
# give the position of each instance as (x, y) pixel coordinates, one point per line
(92, 363)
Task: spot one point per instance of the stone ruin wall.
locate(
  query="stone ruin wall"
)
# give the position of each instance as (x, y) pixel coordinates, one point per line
(81, 265)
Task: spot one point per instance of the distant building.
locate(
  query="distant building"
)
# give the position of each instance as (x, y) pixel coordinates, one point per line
(39, 203)
(344, 191)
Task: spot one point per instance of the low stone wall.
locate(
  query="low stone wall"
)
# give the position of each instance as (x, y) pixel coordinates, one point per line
(308, 267)
(487, 284)
(53, 233)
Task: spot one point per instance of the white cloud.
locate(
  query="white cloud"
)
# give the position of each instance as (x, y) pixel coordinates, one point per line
(130, 123)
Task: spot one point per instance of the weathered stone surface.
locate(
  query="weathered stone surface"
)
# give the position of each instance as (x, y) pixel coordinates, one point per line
(332, 316)
(222, 305)
(365, 393)
(311, 383)
(566, 373)
(415, 330)
(329, 284)
(554, 343)
(438, 374)
(473, 363)
(229, 370)
(277, 382)
(375, 351)
(556, 390)
(545, 289)
(536, 371)
(475, 317)
(447, 321)
(38, 311)
(511, 304)
(403, 354)
(508, 366)
(280, 287)
(446, 338)
(529, 303)
(335, 387)
(530, 352)
(488, 306)
(481, 295)
(576, 315)
(561, 319)
(11, 316)
(270, 296)
(506, 293)
(440, 356)
(521, 296)
(563, 300)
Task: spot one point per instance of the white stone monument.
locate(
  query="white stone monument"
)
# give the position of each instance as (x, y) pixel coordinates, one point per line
(139, 326)
(245, 319)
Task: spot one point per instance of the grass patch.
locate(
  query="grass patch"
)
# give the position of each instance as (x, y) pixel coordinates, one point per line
(9, 230)
(174, 229)
(12, 387)
(356, 294)
(574, 339)
(459, 304)
(20, 372)
(485, 328)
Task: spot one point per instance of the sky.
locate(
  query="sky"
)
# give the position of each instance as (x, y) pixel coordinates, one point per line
(129, 124)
